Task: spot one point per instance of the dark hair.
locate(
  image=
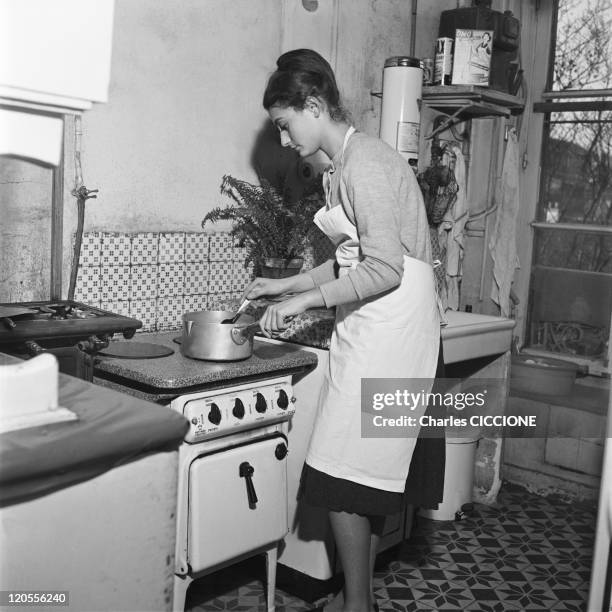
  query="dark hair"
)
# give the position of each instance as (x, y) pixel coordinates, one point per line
(301, 73)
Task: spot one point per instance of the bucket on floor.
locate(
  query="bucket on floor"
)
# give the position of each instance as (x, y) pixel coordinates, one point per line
(458, 476)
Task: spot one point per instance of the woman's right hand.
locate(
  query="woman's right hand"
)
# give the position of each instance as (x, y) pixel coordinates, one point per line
(264, 286)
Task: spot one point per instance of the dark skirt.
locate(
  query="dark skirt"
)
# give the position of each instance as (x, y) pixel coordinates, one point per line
(340, 495)
(424, 484)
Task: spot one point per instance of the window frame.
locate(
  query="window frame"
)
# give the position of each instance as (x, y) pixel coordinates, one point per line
(547, 102)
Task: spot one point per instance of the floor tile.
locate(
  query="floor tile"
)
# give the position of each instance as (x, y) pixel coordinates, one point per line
(524, 553)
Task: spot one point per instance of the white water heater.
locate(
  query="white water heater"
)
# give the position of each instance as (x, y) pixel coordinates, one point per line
(400, 118)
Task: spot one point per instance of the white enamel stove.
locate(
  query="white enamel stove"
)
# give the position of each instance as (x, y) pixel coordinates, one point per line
(232, 485)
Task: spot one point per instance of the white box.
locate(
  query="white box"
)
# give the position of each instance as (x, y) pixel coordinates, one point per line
(472, 58)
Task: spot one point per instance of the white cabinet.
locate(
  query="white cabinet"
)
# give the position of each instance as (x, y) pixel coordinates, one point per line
(55, 59)
(55, 54)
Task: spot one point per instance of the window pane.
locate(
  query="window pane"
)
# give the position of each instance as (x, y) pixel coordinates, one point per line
(573, 250)
(571, 293)
(583, 53)
(576, 179)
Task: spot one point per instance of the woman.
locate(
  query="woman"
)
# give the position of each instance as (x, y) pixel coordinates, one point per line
(382, 285)
(483, 49)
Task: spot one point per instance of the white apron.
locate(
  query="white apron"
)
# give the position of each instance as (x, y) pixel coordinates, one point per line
(395, 335)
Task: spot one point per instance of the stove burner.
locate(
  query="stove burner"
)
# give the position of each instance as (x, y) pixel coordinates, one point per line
(64, 322)
(59, 312)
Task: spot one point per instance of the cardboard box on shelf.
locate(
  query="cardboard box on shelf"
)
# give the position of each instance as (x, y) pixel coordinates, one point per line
(472, 59)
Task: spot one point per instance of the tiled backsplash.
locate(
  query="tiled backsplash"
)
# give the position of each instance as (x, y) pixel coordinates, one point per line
(156, 277)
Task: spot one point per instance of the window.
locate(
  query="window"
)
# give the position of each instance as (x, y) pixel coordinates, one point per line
(570, 298)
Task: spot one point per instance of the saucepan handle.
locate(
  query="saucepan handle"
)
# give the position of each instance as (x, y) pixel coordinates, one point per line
(241, 334)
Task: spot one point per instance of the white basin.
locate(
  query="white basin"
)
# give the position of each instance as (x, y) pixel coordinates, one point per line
(469, 335)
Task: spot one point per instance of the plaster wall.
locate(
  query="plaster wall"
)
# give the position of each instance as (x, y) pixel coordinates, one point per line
(184, 108)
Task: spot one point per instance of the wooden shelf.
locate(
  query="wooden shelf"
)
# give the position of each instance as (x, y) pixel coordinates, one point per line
(482, 100)
(463, 102)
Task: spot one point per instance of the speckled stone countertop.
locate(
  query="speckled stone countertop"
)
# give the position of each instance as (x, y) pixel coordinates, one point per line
(165, 376)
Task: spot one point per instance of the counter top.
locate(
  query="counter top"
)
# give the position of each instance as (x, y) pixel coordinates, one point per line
(176, 372)
(467, 335)
(112, 428)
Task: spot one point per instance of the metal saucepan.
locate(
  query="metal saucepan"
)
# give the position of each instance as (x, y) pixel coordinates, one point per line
(205, 337)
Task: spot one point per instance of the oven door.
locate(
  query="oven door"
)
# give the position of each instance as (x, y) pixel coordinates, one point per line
(237, 502)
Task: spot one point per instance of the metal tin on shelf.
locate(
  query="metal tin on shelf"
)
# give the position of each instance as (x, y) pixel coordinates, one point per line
(443, 66)
(402, 60)
(427, 66)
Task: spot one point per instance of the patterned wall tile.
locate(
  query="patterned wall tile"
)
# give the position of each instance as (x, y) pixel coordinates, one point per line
(194, 303)
(196, 278)
(115, 283)
(144, 248)
(172, 247)
(240, 253)
(221, 277)
(170, 279)
(241, 276)
(143, 282)
(223, 301)
(196, 246)
(87, 288)
(145, 311)
(91, 246)
(221, 247)
(169, 313)
(142, 274)
(115, 249)
(117, 307)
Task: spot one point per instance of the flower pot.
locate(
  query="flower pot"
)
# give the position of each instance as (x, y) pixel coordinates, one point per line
(277, 267)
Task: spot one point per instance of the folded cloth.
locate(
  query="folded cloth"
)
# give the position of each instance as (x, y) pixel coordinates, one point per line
(503, 239)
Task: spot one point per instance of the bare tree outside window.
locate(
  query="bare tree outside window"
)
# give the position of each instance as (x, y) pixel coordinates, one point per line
(571, 284)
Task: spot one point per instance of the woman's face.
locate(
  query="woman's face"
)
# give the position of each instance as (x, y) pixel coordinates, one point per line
(298, 128)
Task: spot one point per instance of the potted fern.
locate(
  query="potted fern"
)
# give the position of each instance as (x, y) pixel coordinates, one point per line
(274, 227)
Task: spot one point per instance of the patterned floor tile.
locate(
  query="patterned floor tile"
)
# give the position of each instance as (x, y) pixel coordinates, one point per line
(409, 578)
(406, 605)
(524, 553)
(493, 605)
(554, 576)
(474, 577)
(501, 559)
(440, 594)
(569, 606)
(434, 556)
(528, 596)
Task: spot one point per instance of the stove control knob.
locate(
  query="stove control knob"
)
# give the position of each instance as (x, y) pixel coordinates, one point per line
(214, 416)
(194, 421)
(282, 401)
(280, 452)
(238, 410)
(260, 403)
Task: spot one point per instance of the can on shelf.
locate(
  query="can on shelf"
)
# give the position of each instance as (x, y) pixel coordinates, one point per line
(443, 65)
(427, 66)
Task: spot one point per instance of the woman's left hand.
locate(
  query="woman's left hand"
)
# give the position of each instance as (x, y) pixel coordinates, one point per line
(277, 316)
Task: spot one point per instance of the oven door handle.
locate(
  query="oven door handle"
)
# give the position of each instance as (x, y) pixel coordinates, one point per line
(246, 471)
